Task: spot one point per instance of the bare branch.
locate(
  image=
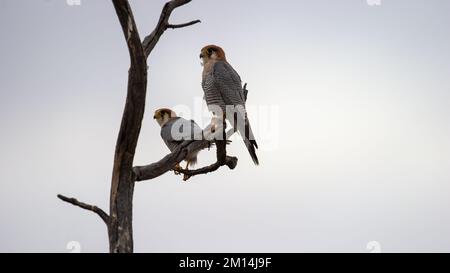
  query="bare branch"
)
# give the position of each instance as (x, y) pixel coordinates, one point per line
(85, 206)
(183, 25)
(169, 162)
(230, 161)
(151, 40)
(222, 160)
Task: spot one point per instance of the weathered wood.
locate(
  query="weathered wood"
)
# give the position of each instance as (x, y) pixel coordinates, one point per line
(95, 209)
(122, 184)
(163, 24)
(168, 163)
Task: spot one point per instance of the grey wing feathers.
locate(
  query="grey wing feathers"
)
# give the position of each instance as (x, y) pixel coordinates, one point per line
(226, 84)
(177, 130)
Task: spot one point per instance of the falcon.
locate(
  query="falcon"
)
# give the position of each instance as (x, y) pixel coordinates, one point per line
(225, 96)
(175, 130)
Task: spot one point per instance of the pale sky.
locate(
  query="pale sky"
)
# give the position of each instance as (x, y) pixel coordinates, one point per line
(349, 102)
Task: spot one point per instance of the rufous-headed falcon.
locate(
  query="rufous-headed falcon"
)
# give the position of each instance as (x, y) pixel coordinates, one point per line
(224, 93)
(175, 130)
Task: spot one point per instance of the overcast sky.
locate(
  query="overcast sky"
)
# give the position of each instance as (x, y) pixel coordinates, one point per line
(349, 103)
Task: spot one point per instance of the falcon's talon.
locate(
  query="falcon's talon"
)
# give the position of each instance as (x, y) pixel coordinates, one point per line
(177, 169)
(186, 176)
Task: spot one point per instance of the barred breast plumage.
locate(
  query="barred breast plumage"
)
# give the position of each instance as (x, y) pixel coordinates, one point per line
(222, 86)
(212, 95)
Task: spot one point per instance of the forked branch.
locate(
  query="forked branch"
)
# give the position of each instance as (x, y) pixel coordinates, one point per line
(229, 161)
(169, 162)
(163, 24)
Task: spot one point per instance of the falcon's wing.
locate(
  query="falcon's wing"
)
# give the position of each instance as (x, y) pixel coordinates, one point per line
(177, 130)
(166, 135)
(228, 83)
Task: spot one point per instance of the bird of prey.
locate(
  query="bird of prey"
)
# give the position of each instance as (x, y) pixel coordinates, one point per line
(223, 88)
(175, 130)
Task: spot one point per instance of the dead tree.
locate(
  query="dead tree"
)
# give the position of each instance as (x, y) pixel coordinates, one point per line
(124, 175)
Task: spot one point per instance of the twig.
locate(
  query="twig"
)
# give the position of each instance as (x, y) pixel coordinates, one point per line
(163, 24)
(85, 206)
(230, 161)
(183, 25)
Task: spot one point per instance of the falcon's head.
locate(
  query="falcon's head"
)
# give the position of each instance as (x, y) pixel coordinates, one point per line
(212, 52)
(163, 115)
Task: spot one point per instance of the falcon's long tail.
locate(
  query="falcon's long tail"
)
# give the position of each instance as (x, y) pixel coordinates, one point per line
(251, 145)
(248, 137)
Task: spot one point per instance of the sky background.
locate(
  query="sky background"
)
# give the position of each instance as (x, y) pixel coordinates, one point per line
(355, 146)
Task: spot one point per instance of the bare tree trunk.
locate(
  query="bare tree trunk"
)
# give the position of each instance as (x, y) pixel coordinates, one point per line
(122, 184)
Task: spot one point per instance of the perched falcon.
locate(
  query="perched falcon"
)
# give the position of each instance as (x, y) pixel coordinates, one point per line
(223, 88)
(175, 130)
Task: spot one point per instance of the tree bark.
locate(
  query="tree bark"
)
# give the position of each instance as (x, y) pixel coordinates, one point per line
(122, 184)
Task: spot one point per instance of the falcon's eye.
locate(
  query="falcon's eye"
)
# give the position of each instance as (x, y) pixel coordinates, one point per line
(210, 51)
